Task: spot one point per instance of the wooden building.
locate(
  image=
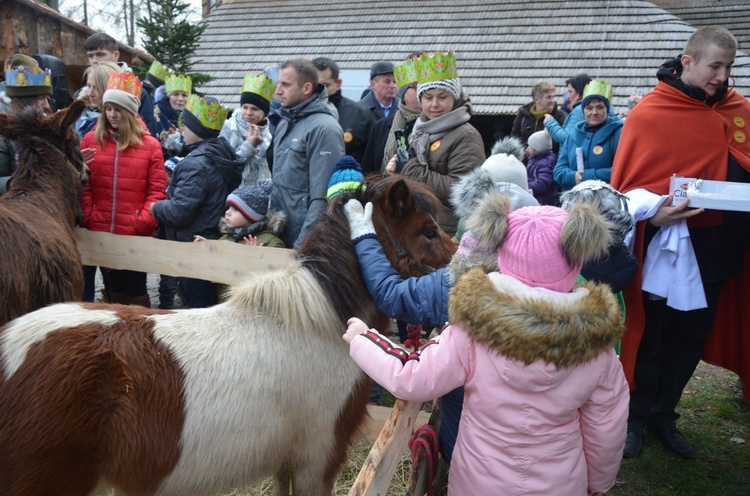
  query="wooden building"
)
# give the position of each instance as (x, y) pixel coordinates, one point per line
(33, 28)
(502, 47)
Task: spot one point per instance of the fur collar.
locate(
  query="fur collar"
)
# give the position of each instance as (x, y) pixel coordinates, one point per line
(275, 223)
(525, 323)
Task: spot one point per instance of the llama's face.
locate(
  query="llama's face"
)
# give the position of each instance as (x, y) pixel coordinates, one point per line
(414, 242)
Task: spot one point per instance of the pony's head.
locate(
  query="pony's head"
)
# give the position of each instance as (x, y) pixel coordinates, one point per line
(403, 214)
(32, 128)
(404, 218)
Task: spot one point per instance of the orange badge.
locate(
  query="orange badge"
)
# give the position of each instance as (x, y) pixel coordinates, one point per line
(435, 146)
(740, 137)
(348, 137)
(598, 150)
(739, 121)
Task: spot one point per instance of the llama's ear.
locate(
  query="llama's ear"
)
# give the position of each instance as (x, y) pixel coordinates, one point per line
(399, 198)
(4, 126)
(71, 114)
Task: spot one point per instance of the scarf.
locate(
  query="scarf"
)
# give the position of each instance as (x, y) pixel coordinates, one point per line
(241, 129)
(538, 115)
(427, 132)
(401, 118)
(239, 233)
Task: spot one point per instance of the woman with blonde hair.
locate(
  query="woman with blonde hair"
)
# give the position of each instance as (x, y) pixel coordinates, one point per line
(97, 78)
(127, 173)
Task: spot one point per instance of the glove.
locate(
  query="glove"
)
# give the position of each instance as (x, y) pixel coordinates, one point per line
(360, 220)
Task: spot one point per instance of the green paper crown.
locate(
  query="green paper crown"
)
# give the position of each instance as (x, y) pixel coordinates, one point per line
(406, 72)
(436, 66)
(601, 88)
(159, 71)
(178, 82)
(211, 115)
(260, 84)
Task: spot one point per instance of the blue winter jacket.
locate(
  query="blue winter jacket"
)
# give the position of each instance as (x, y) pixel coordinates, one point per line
(559, 132)
(421, 300)
(599, 146)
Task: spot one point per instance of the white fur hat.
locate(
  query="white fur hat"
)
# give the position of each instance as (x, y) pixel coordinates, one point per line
(507, 168)
(540, 141)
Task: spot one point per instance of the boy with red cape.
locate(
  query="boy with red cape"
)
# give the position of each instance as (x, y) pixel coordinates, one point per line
(691, 297)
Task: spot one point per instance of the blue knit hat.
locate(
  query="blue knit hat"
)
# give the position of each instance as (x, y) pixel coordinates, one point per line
(252, 202)
(347, 176)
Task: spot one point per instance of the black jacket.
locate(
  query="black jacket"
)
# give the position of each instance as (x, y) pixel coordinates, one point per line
(373, 156)
(370, 103)
(356, 123)
(198, 193)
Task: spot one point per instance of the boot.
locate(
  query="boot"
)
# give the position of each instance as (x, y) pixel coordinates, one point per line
(121, 298)
(142, 300)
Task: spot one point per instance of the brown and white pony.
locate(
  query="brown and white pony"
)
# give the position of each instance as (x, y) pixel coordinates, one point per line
(192, 402)
(40, 263)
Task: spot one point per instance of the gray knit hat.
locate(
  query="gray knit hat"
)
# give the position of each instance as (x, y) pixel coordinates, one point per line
(540, 141)
(252, 202)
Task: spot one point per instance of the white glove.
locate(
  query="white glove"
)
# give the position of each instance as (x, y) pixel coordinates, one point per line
(360, 220)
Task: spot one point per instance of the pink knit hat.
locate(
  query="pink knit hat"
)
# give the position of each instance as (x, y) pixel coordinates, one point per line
(532, 251)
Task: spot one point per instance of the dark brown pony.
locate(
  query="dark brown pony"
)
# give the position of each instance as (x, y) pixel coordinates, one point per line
(40, 263)
(199, 401)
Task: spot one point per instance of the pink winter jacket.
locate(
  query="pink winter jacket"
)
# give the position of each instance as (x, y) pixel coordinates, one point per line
(546, 401)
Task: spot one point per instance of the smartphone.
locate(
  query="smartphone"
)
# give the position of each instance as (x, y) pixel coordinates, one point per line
(402, 149)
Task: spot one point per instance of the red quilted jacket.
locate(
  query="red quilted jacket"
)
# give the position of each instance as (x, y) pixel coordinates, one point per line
(121, 184)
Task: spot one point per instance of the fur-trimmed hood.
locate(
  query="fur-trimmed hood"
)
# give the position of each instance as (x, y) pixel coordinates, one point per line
(528, 324)
(274, 223)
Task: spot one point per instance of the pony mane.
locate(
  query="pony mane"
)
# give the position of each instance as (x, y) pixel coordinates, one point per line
(328, 252)
(291, 296)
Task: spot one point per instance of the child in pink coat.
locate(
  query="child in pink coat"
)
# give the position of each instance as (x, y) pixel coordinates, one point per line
(546, 401)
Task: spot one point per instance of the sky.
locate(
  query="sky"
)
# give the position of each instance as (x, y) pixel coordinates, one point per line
(106, 24)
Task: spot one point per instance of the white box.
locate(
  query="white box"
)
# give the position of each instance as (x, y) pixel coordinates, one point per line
(714, 195)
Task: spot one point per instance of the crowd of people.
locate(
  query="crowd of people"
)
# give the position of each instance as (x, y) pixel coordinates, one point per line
(566, 223)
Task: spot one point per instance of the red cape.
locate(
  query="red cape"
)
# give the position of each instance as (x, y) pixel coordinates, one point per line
(669, 132)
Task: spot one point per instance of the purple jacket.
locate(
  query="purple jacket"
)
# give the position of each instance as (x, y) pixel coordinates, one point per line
(541, 181)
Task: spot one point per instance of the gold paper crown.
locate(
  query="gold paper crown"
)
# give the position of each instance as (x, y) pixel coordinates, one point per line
(406, 72)
(211, 115)
(260, 84)
(127, 82)
(160, 71)
(21, 80)
(436, 66)
(178, 82)
(601, 88)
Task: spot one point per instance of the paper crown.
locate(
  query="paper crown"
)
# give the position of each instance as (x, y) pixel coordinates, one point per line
(272, 71)
(406, 72)
(601, 88)
(178, 82)
(260, 84)
(436, 66)
(159, 71)
(211, 115)
(23, 81)
(127, 82)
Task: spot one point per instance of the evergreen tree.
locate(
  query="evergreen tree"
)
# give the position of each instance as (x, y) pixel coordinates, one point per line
(171, 38)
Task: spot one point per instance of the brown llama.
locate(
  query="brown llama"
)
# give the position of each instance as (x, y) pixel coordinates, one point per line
(194, 402)
(40, 262)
